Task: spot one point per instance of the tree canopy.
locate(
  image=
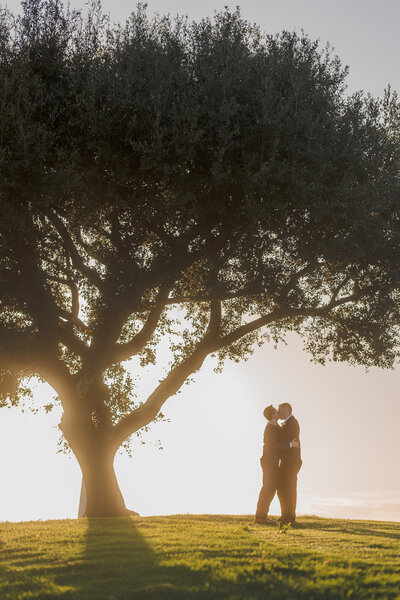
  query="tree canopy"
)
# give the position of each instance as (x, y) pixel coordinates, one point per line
(202, 181)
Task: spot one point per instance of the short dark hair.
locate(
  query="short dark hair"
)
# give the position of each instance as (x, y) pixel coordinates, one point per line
(269, 411)
(287, 405)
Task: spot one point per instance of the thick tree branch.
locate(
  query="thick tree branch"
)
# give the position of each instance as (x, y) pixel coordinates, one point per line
(74, 294)
(67, 316)
(28, 353)
(73, 343)
(70, 247)
(168, 387)
(247, 328)
(105, 349)
(283, 313)
(88, 248)
(217, 297)
(174, 380)
(214, 325)
(248, 291)
(117, 240)
(294, 278)
(137, 343)
(118, 308)
(340, 286)
(38, 300)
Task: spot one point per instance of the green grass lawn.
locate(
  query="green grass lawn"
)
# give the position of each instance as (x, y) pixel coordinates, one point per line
(201, 557)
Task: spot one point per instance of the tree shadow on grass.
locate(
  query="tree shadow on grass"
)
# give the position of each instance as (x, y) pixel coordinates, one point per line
(131, 558)
(118, 564)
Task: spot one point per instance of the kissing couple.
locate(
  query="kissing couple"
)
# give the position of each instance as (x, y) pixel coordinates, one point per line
(280, 464)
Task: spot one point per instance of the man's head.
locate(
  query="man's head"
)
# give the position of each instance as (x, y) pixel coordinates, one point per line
(271, 414)
(284, 410)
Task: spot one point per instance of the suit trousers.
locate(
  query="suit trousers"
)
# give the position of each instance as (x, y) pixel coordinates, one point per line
(268, 490)
(287, 489)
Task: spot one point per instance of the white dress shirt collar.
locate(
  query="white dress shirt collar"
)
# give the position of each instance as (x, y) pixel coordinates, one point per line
(287, 418)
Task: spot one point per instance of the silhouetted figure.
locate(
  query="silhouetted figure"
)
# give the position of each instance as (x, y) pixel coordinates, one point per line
(273, 448)
(290, 463)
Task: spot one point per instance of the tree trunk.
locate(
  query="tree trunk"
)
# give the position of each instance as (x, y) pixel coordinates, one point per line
(104, 498)
(95, 453)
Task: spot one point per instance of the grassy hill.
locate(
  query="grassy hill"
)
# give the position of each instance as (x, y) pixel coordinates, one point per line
(202, 557)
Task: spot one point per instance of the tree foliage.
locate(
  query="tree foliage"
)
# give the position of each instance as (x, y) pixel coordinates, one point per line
(200, 181)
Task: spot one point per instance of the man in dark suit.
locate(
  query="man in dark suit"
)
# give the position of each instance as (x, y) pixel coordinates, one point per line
(290, 464)
(273, 448)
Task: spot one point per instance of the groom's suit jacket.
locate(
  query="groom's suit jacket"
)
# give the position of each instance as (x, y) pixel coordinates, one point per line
(274, 446)
(290, 430)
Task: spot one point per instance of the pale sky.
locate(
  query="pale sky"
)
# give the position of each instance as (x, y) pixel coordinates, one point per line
(210, 460)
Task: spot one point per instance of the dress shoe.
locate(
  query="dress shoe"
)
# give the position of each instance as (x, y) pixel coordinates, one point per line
(286, 521)
(264, 521)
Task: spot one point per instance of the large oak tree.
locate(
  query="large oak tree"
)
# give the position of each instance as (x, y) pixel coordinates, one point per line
(196, 182)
